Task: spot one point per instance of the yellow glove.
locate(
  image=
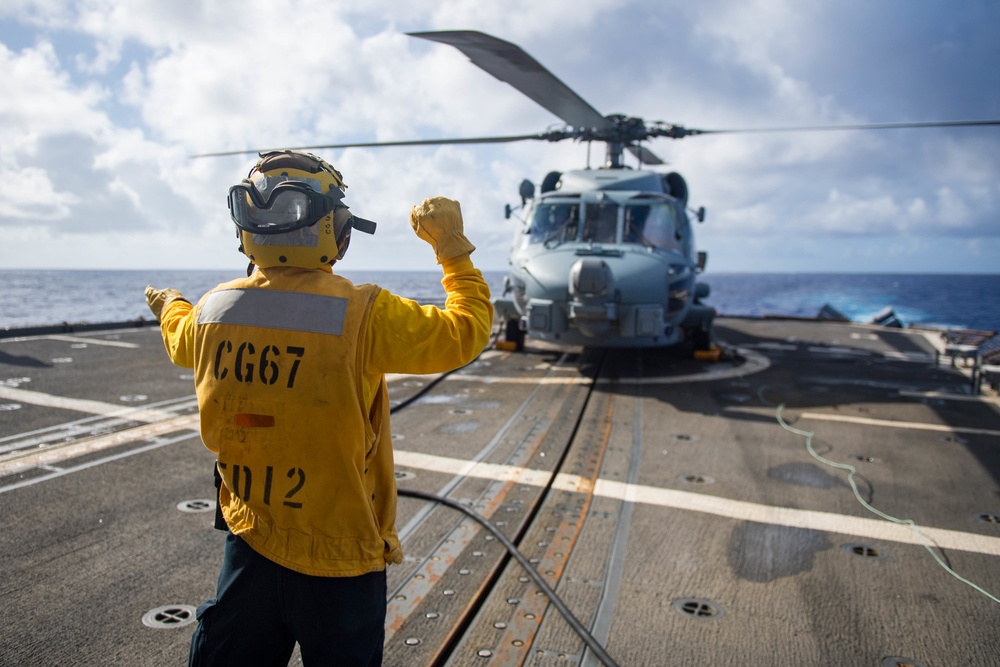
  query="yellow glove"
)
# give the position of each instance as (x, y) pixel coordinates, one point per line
(157, 299)
(439, 222)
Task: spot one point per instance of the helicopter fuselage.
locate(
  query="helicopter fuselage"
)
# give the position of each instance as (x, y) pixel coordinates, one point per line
(606, 258)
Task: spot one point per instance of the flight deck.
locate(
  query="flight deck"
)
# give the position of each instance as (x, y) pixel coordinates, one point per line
(682, 512)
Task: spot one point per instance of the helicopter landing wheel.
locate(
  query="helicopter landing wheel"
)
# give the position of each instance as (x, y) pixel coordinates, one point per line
(514, 334)
(701, 339)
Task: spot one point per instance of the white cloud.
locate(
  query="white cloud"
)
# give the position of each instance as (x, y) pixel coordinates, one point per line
(40, 100)
(98, 128)
(29, 193)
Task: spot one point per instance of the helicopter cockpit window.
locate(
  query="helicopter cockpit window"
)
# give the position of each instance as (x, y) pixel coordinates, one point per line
(554, 222)
(653, 225)
(601, 225)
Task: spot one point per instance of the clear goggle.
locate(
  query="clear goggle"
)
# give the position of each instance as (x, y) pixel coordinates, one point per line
(287, 205)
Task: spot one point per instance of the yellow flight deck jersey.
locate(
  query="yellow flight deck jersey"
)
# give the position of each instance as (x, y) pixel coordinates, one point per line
(289, 371)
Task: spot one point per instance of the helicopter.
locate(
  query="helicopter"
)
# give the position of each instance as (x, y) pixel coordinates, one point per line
(600, 257)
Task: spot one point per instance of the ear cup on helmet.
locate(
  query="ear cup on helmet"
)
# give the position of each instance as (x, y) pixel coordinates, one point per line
(342, 226)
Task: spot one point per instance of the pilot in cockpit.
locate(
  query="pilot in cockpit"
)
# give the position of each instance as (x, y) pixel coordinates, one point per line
(552, 221)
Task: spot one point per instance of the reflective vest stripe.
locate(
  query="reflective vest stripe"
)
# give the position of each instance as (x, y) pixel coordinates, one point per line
(275, 309)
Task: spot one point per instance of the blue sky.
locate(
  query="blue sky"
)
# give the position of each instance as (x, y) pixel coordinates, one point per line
(102, 102)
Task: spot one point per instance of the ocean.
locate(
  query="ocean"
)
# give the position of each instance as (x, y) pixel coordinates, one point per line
(43, 297)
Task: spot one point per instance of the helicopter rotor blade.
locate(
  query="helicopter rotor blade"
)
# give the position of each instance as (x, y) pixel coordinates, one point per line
(545, 136)
(685, 132)
(645, 155)
(511, 64)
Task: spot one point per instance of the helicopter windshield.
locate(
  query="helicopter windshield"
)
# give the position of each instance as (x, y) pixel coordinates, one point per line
(601, 224)
(554, 222)
(653, 225)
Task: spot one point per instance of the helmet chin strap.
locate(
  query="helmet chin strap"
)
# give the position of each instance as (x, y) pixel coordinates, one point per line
(243, 251)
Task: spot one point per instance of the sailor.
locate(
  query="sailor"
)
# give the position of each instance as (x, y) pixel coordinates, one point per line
(290, 367)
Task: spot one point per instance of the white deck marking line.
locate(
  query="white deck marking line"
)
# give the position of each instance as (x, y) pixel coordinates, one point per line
(49, 434)
(950, 397)
(40, 459)
(868, 421)
(755, 363)
(497, 379)
(839, 350)
(794, 518)
(783, 347)
(465, 468)
(61, 472)
(395, 377)
(92, 341)
(83, 405)
(635, 493)
(921, 357)
(714, 505)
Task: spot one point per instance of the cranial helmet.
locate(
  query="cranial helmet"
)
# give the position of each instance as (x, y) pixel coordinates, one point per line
(289, 212)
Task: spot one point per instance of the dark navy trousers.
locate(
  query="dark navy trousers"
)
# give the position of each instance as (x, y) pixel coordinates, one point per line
(262, 609)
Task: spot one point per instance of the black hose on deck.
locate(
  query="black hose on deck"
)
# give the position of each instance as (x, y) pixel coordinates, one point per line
(574, 623)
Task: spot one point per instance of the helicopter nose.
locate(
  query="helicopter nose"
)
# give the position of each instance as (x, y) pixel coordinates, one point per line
(591, 286)
(591, 278)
